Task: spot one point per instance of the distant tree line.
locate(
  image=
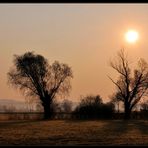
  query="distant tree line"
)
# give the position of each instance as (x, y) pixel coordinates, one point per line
(92, 107)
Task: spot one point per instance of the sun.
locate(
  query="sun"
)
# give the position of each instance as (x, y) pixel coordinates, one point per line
(131, 36)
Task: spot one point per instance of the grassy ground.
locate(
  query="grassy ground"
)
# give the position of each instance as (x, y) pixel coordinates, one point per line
(67, 132)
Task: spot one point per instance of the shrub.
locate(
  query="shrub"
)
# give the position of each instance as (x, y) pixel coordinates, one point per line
(92, 107)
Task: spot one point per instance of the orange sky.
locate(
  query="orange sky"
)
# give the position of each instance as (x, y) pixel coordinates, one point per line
(85, 36)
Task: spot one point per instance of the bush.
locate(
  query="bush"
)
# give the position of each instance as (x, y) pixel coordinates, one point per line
(92, 107)
(144, 109)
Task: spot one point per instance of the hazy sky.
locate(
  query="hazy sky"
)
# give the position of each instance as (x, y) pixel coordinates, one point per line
(85, 36)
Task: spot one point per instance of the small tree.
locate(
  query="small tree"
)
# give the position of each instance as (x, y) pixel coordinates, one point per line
(93, 107)
(130, 88)
(144, 109)
(144, 106)
(66, 106)
(36, 78)
(85, 107)
(39, 107)
(107, 110)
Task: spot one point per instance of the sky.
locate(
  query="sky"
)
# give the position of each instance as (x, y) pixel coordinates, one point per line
(84, 36)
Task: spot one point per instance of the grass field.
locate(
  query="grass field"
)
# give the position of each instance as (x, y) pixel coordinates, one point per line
(68, 132)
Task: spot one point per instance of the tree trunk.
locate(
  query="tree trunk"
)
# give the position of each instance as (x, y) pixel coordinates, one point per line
(46, 103)
(47, 111)
(127, 113)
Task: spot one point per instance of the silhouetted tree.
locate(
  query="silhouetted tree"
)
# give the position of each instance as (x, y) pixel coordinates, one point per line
(36, 78)
(56, 107)
(66, 106)
(144, 106)
(30, 104)
(39, 107)
(93, 107)
(144, 109)
(131, 87)
(107, 110)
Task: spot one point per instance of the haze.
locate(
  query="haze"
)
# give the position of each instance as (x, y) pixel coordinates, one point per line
(85, 36)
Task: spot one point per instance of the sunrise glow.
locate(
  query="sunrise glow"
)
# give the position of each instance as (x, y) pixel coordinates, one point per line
(131, 36)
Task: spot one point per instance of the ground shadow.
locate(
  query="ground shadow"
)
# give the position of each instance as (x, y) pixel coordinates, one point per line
(142, 126)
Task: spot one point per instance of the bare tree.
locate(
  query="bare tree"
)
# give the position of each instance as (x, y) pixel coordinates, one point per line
(39, 107)
(131, 87)
(144, 106)
(36, 78)
(114, 99)
(66, 106)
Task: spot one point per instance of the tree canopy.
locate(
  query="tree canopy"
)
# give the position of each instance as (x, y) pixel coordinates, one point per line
(33, 75)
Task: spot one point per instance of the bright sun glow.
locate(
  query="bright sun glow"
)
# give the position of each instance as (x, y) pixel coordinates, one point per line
(131, 36)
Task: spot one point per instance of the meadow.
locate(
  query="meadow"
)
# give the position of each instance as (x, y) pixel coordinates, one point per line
(74, 132)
